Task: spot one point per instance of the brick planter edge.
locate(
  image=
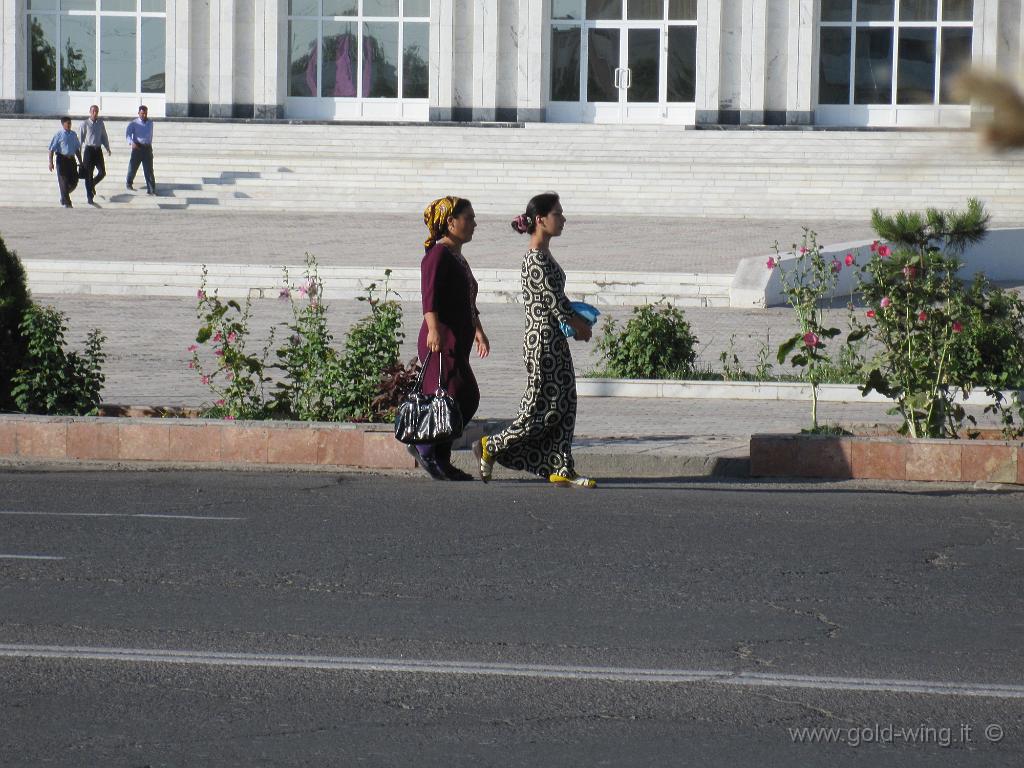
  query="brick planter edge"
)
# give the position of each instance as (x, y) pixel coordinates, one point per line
(886, 458)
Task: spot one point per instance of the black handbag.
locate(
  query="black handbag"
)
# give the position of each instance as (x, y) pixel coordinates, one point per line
(429, 419)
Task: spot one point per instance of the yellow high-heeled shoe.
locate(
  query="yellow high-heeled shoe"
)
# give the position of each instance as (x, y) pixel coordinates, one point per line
(576, 481)
(484, 458)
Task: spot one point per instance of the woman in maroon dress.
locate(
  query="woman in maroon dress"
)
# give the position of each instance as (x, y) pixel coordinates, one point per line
(451, 322)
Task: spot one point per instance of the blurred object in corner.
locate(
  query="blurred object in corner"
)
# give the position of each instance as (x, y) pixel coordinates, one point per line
(1006, 130)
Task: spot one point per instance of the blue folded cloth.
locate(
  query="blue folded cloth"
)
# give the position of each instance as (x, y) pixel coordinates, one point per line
(587, 311)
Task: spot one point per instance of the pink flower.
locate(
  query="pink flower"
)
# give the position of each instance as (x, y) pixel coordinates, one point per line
(883, 251)
(193, 347)
(957, 327)
(191, 363)
(232, 337)
(849, 260)
(219, 352)
(922, 316)
(217, 336)
(285, 294)
(886, 302)
(230, 376)
(302, 290)
(229, 417)
(870, 313)
(910, 272)
(837, 266)
(874, 247)
(314, 303)
(219, 402)
(811, 340)
(204, 379)
(771, 263)
(200, 294)
(802, 250)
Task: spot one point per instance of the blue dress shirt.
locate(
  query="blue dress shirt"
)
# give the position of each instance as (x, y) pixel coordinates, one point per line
(65, 143)
(139, 132)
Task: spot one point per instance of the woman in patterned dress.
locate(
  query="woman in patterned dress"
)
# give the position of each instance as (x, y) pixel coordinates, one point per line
(540, 438)
(451, 322)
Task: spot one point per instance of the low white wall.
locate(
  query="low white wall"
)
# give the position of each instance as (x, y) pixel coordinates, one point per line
(1000, 256)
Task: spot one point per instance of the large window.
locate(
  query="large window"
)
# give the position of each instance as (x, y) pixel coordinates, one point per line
(892, 52)
(358, 49)
(97, 46)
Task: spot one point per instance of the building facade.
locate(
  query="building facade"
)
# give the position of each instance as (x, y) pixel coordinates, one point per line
(683, 62)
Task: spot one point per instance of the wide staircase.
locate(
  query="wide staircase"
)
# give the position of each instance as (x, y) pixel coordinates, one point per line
(629, 170)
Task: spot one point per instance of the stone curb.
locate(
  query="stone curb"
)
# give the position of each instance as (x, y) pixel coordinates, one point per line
(740, 390)
(886, 458)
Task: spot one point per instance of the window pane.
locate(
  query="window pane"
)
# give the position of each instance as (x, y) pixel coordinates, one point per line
(682, 10)
(302, 58)
(380, 8)
(644, 60)
(602, 61)
(604, 9)
(380, 60)
(958, 10)
(872, 82)
(154, 55)
(117, 54)
(836, 10)
(304, 7)
(341, 67)
(416, 8)
(682, 63)
(78, 53)
(154, 6)
(42, 5)
(78, 5)
(42, 64)
(645, 9)
(341, 8)
(915, 71)
(119, 5)
(566, 9)
(956, 54)
(875, 10)
(565, 63)
(834, 66)
(919, 10)
(416, 61)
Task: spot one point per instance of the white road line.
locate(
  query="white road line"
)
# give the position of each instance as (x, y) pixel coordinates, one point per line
(119, 514)
(495, 669)
(29, 557)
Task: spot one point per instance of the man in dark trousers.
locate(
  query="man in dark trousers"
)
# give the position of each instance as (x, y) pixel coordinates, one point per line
(93, 135)
(66, 147)
(140, 135)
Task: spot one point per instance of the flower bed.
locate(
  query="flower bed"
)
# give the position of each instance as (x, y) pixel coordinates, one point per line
(874, 457)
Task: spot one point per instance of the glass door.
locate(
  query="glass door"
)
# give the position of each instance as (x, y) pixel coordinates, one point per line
(615, 61)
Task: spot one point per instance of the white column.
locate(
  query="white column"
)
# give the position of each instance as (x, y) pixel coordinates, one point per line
(270, 51)
(532, 86)
(13, 56)
(753, 61)
(801, 89)
(222, 57)
(709, 52)
(442, 45)
(986, 34)
(485, 59)
(178, 71)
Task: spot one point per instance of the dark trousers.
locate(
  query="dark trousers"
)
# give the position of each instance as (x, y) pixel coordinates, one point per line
(67, 177)
(143, 154)
(92, 161)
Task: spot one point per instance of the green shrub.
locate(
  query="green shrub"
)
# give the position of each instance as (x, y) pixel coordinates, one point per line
(52, 381)
(655, 343)
(14, 302)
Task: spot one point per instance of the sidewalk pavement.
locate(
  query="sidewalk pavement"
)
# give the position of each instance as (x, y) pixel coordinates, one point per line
(147, 337)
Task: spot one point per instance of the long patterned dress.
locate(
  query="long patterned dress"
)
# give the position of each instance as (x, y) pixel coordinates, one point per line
(540, 438)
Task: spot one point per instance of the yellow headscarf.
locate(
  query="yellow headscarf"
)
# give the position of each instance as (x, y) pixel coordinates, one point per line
(435, 216)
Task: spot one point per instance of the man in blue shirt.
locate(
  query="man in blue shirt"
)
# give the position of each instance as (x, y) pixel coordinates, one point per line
(66, 147)
(140, 136)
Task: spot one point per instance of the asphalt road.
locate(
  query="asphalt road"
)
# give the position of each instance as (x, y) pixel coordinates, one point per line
(258, 619)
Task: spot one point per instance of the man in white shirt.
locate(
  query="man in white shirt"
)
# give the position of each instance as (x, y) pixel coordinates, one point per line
(93, 135)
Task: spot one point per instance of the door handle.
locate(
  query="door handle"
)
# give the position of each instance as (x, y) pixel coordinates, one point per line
(628, 77)
(618, 77)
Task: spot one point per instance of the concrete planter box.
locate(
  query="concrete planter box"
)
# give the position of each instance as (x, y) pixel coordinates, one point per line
(871, 457)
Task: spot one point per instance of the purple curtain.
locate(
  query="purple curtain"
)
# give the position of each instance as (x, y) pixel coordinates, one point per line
(311, 70)
(344, 82)
(367, 66)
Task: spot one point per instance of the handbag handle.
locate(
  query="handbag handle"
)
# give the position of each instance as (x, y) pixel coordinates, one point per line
(423, 371)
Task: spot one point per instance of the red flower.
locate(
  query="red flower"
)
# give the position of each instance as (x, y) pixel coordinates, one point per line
(870, 313)
(957, 327)
(849, 260)
(923, 316)
(883, 251)
(771, 263)
(811, 340)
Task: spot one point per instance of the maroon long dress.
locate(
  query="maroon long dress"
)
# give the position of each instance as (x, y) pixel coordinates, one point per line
(450, 290)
